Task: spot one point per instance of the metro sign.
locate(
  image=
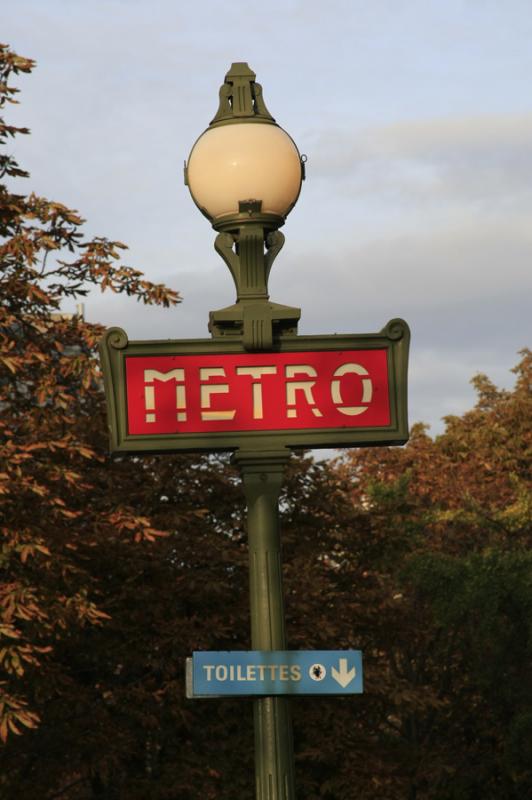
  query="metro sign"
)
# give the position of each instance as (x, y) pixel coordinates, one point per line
(311, 391)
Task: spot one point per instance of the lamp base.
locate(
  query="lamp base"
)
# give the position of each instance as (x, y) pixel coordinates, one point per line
(249, 242)
(258, 324)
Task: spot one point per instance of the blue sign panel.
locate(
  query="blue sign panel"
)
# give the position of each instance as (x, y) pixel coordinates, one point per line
(274, 672)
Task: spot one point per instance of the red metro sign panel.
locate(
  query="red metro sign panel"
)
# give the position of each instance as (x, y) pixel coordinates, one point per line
(206, 394)
(257, 392)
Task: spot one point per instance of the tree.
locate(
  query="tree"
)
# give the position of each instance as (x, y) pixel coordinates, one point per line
(448, 541)
(99, 554)
(50, 426)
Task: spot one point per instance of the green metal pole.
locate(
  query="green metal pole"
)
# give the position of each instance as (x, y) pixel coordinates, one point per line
(262, 475)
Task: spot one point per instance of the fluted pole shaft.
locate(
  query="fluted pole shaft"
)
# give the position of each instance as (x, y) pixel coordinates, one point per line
(262, 475)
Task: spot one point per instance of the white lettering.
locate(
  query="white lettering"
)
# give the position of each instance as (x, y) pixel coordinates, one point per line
(152, 375)
(208, 668)
(295, 672)
(291, 370)
(256, 373)
(206, 391)
(336, 394)
(221, 672)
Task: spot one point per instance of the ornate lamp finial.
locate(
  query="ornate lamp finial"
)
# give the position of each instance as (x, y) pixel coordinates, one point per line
(241, 98)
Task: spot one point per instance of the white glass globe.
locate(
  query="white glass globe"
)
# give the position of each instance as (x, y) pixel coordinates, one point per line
(244, 161)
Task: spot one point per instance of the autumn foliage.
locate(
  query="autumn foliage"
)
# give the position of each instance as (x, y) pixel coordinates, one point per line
(446, 550)
(115, 569)
(51, 422)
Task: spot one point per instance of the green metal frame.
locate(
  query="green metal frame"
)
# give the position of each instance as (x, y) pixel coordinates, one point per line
(249, 243)
(262, 477)
(115, 348)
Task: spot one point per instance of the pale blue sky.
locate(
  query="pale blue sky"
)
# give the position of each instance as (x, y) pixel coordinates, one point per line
(417, 121)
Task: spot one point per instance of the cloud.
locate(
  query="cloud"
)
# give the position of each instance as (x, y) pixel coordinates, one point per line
(483, 160)
(456, 266)
(440, 380)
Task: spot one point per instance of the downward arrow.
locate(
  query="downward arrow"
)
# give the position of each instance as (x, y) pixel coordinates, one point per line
(343, 676)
